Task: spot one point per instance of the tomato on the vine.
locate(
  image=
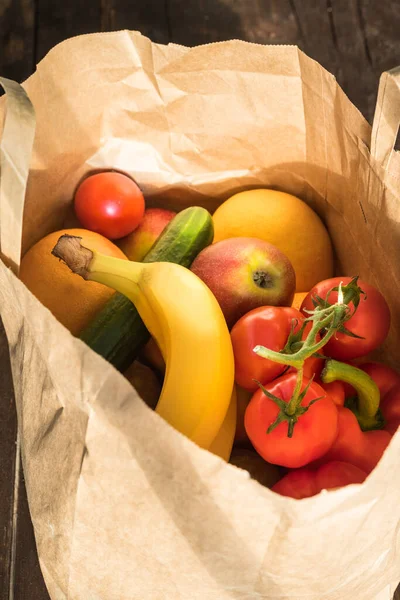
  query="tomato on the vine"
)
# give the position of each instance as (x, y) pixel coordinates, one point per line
(267, 326)
(370, 321)
(109, 203)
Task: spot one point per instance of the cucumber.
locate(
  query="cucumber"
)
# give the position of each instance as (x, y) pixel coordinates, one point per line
(117, 332)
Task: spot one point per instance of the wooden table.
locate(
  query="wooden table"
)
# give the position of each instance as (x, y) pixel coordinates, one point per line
(354, 39)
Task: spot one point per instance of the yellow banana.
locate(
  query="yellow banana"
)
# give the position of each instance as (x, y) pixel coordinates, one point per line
(222, 444)
(185, 319)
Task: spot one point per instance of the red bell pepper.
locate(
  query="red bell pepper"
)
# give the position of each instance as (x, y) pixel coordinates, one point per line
(363, 449)
(336, 391)
(384, 376)
(306, 482)
(368, 396)
(390, 408)
(359, 439)
(371, 384)
(388, 382)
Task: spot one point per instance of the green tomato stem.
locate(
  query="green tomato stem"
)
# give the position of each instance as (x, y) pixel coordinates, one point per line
(326, 318)
(282, 359)
(352, 292)
(296, 398)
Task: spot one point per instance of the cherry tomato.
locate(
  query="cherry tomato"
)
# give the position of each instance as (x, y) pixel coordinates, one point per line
(313, 433)
(371, 321)
(109, 203)
(267, 326)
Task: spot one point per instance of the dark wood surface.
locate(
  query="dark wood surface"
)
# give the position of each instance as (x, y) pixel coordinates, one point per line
(354, 39)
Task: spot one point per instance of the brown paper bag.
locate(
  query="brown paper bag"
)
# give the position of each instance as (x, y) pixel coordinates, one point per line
(123, 506)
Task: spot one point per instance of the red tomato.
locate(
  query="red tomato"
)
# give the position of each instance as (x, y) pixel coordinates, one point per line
(306, 482)
(314, 432)
(267, 326)
(371, 320)
(109, 203)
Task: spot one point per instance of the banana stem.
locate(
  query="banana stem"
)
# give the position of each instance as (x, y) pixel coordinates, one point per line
(121, 275)
(70, 250)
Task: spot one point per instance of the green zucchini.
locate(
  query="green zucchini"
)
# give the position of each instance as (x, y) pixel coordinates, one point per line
(117, 332)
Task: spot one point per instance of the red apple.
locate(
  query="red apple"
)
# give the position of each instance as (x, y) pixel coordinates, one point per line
(245, 273)
(137, 244)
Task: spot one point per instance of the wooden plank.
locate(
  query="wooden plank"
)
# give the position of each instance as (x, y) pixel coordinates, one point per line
(28, 578)
(16, 38)
(150, 17)
(356, 75)
(381, 26)
(365, 34)
(333, 34)
(380, 23)
(20, 575)
(318, 36)
(57, 21)
(8, 428)
(202, 21)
